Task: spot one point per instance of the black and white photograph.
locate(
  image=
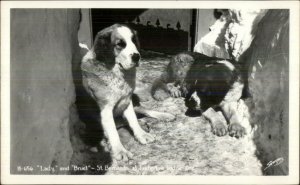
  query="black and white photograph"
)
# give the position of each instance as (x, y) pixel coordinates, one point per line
(150, 92)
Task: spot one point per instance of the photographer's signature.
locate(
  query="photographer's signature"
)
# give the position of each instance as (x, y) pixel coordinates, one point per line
(276, 162)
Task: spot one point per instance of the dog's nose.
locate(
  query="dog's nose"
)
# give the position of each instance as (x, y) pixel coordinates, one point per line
(136, 57)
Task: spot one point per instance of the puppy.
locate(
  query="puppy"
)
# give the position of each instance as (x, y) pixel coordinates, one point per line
(169, 82)
(109, 72)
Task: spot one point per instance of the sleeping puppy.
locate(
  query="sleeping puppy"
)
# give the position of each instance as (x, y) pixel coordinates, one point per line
(217, 83)
(109, 72)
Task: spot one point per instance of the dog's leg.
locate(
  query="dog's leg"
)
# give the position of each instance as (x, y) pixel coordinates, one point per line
(230, 111)
(217, 121)
(174, 91)
(109, 126)
(142, 136)
(159, 89)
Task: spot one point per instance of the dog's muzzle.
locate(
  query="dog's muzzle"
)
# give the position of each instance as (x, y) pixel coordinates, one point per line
(136, 58)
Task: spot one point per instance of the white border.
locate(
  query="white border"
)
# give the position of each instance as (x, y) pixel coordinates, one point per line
(293, 177)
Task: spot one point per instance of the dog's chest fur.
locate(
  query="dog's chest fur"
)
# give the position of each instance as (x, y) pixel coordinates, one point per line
(109, 87)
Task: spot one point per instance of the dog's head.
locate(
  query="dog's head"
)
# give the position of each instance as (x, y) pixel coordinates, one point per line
(117, 45)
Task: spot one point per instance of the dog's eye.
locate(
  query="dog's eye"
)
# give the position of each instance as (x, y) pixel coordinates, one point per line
(121, 44)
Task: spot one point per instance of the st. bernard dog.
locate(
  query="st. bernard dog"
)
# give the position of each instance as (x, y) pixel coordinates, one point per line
(109, 73)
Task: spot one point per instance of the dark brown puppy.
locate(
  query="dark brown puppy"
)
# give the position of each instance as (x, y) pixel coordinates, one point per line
(168, 85)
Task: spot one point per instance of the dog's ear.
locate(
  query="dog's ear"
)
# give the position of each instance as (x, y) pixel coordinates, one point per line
(102, 45)
(135, 39)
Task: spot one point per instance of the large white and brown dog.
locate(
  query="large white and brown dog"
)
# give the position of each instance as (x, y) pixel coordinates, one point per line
(109, 72)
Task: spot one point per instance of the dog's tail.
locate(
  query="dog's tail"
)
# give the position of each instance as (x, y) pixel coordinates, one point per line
(85, 53)
(84, 46)
(88, 54)
(162, 116)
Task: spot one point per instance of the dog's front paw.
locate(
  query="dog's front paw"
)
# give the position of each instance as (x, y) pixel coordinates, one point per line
(122, 154)
(174, 91)
(144, 137)
(236, 130)
(161, 95)
(184, 90)
(219, 129)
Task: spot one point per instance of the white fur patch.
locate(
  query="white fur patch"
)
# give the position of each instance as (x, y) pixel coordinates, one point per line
(235, 93)
(84, 46)
(125, 32)
(124, 57)
(227, 64)
(127, 35)
(88, 56)
(130, 115)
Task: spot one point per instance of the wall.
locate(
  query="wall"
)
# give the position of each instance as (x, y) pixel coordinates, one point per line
(268, 59)
(205, 19)
(43, 45)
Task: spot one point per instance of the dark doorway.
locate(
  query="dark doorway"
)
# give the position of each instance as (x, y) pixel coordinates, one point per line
(102, 18)
(153, 36)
